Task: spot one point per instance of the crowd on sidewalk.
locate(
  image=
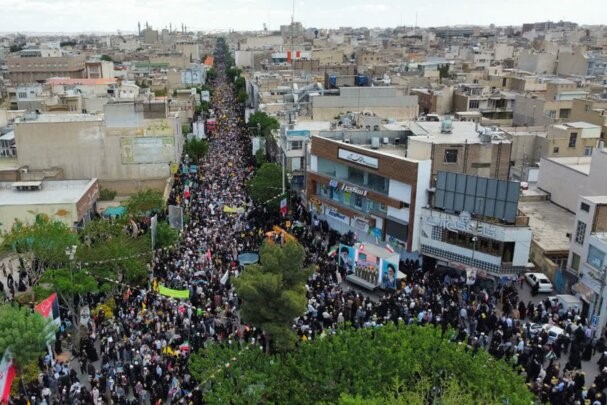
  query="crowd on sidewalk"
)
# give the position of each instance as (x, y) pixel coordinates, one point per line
(140, 355)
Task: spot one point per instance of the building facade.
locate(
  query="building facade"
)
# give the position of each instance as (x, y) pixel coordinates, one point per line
(375, 193)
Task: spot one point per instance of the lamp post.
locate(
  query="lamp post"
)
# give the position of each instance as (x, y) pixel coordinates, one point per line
(70, 252)
(474, 240)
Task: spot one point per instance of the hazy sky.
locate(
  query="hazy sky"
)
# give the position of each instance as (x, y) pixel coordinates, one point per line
(111, 15)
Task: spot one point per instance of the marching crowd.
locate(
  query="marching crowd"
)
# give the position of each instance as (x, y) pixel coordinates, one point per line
(143, 349)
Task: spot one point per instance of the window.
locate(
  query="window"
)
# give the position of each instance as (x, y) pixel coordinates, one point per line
(551, 113)
(473, 104)
(564, 112)
(451, 155)
(585, 207)
(572, 139)
(296, 145)
(555, 150)
(596, 257)
(580, 232)
(575, 262)
(588, 151)
(22, 94)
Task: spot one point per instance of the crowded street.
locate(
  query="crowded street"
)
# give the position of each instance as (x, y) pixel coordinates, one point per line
(140, 356)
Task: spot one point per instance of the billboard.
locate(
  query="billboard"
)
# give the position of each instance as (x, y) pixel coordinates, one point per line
(482, 196)
(147, 149)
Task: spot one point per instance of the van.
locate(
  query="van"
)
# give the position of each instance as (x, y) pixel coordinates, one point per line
(567, 301)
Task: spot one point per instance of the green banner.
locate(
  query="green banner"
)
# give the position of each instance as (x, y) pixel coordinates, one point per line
(173, 293)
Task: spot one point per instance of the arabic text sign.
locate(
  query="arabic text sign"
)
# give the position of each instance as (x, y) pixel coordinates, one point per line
(358, 158)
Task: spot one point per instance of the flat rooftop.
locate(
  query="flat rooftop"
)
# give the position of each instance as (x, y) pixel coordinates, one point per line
(53, 118)
(461, 132)
(52, 192)
(579, 164)
(549, 224)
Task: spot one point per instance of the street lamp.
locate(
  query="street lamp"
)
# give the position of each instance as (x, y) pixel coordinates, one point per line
(474, 240)
(70, 252)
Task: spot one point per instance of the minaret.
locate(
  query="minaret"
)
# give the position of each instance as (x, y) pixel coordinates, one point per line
(139, 27)
(147, 26)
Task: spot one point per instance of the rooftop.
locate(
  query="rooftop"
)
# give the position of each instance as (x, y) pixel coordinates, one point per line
(60, 118)
(579, 164)
(461, 132)
(578, 124)
(52, 192)
(58, 81)
(549, 223)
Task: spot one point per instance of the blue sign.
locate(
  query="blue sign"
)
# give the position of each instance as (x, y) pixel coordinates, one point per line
(594, 320)
(193, 169)
(303, 132)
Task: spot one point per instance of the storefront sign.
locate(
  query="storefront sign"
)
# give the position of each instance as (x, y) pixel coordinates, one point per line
(337, 215)
(333, 183)
(354, 189)
(360, 223)
(464, 224)
(358, 158)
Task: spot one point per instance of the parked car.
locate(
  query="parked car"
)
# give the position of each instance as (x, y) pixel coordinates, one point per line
(567, 302)
(553, 331)
(545, 286)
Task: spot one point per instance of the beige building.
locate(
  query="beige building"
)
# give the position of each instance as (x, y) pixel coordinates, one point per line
(32, 69)
(121, 148)
(572, 139)
(386, 102)
(460, 148)
(592, 111)
(69, 201)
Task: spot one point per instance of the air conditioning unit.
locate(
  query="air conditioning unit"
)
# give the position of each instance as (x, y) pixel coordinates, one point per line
(375, 142)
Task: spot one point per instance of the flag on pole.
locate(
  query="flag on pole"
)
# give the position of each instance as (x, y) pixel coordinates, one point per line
(7, 374)
(283, 207)
(389, 248)
(224, 278)
(333, 251)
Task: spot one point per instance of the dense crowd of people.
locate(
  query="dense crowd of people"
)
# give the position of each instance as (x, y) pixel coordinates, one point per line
(140, 355)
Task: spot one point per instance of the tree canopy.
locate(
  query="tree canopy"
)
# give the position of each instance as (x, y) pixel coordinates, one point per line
(266, 123)
(144, 203)
(196, 149)
(273, 292)
(24, 333)
(266, 185)
(385, 365)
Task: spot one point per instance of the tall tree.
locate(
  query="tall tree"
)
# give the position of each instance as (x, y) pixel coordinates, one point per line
(266, 185)
(263, 121)
(42, 242)
(383, 365)
(196, 149)
(24, 333)
(273, 292)
(145, 202)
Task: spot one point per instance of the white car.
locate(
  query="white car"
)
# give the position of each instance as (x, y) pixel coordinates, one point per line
(553, 331)
(545, 286)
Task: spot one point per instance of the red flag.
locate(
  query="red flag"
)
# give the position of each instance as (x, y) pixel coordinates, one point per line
(7, 374)
(283, 207)
(288, 56)
(297, 54)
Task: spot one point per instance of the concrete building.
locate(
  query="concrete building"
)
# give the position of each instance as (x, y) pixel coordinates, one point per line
(580, 63)
(69, 201)
(581, 175)
(33, 69)
(121, 148)
(536, 62)
(588, 257)
(494, 105)
(572, 139)
(386, 102)
(592, 111)
(460, 147)
(434, 101)
(368, 187)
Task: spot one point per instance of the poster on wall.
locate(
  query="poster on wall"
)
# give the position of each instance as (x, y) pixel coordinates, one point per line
(389, 275)
(347, 258)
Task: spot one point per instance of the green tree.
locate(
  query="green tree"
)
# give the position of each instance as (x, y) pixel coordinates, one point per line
(166, 236)
(145, 203)
(385, 365)
(211, 74)
(42, 242)
(273, 292)
(241, 96)
(196, 149)
(443, 71)
(106, 58)
(24, 333)
(260, 157)
(266, 123)
(266, 185)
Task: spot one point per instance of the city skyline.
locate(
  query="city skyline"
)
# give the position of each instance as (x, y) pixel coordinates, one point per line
(75, 16)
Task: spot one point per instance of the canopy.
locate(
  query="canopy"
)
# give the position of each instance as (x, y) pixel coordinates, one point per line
(113, 212)
(248, 258)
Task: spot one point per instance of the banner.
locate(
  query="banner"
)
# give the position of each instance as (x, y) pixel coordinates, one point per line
(184, 294)
(470, 276)
(7, 374)
(174, 168)
(233, 210)
(283, 207)
(154, 229)
(175, 217)
(49, 308)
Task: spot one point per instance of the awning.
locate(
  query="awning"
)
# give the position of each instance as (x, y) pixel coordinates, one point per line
(9, 136)
(114, 212)
(586, 293)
